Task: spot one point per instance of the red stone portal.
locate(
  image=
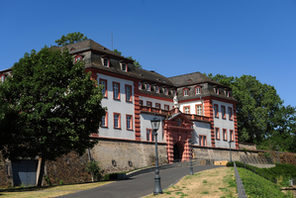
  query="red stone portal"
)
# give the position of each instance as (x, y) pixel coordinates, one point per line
(178, 131)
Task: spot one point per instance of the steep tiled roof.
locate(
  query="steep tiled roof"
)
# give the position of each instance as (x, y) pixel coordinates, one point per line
(191, 79)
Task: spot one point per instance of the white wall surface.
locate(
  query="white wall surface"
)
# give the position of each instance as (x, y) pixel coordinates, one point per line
(145, 123)
(153, 100)
(223, 124)
(121, 107)
(201, 128)
(192, 106)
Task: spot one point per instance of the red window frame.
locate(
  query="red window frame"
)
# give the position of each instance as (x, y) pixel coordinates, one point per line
(216, 110)
(149, 135)
(130, 122)
(167, 107)
(158, 105)
(202, 140)
(224, 131)
(231, 134)
(125, 67)
(77, 58)
(198, 105)
(119, 121)
(148, 103)
(186, 89)
(230, 113)
(108, 62)
(106, 121)
(141, 102)
(223, 112)
(113, 85)
(131, 93)
(217, 133)
(195, 90)
(105, 87)
(184, 107)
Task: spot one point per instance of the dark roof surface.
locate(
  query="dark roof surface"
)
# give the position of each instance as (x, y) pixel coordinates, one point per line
(190, 79)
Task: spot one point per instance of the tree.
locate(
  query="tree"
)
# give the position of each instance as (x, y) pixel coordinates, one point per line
(261, 114)
(71, 38)
(50, 106)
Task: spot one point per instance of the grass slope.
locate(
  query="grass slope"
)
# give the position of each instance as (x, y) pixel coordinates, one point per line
(257, 186)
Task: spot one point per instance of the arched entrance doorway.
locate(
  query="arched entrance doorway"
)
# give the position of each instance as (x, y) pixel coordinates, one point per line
(178, 151)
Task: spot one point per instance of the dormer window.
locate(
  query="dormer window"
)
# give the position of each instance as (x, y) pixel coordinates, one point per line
(140, 85)
(166, 91)
(185, 92)
(216, 90)
(148, 87)
(78, 58)
(157, 89)
(197, 90)
(124, 67)
(106, 62)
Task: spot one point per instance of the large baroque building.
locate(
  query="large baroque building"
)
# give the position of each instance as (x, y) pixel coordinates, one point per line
(192, 108)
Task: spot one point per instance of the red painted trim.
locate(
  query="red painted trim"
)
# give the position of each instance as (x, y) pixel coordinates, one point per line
(224, 130)
(195, 90)
(113, 85)
(131, 122)
(150, 137)
(216, 106)
(137, 112)
(106, 120)
(231, 134)
(185, 89)
(202, 138)
(217, 137)
(167, 107)
(223, 112)
(199, 105)
(119, 121)
(184, 107)
(230, 113)
(158, 105)
(155, 97)
(105, 87)
(148, 103)
(141, 102)
(131, 93)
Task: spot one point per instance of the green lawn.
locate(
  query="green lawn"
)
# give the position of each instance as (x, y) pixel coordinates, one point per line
(257, 186)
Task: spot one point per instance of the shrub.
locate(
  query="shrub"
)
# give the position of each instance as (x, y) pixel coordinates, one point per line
(93, 168)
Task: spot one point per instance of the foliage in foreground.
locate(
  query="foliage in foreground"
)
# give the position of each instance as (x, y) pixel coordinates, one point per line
(51, 107)
(257, 186)
(280, 174)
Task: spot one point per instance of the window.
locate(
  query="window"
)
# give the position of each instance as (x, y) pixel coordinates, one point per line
(124, 67)
(129, 122)
(104, 122)
(197, 90)
(216, 90)
(157, 105)
(231, 135)
(166, 91)
(216, 111)
(103, 84)
(217, 133)
(128, 93)
(2, 78)
(166, 107)
(116, 91)
(157, 89)
(148, 87)
(149, 104)
(140, 85)
(141, 102)
(224, 135)
(77, 58)
(198, 109)
(186, 109)
(185, 92)
(223, 111)
(203, 140)
(117, 121)
(106, 62)
(149, 135)
(230, 114)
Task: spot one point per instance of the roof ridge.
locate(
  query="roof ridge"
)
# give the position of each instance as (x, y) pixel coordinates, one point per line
(186, 74)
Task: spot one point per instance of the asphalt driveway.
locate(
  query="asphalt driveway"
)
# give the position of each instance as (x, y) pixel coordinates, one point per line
(137, 186)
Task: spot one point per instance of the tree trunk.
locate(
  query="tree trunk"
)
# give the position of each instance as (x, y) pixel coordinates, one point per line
(41, 173)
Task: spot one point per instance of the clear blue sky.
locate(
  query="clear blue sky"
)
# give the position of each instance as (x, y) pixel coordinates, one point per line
(231, 37)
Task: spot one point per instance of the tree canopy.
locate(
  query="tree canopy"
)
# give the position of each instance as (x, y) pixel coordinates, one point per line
(71, 38)
(262, 117)
(49, 107)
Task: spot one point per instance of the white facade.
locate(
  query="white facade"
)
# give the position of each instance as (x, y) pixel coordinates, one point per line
(146, 124)
(117, 106)
(192, 106)
(204, 129)
(221, 123)
(154, 101)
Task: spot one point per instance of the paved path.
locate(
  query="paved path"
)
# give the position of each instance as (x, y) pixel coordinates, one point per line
(137, 186)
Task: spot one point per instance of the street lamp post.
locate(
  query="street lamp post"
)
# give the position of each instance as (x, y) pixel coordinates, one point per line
(230, 154)
(157, 186)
